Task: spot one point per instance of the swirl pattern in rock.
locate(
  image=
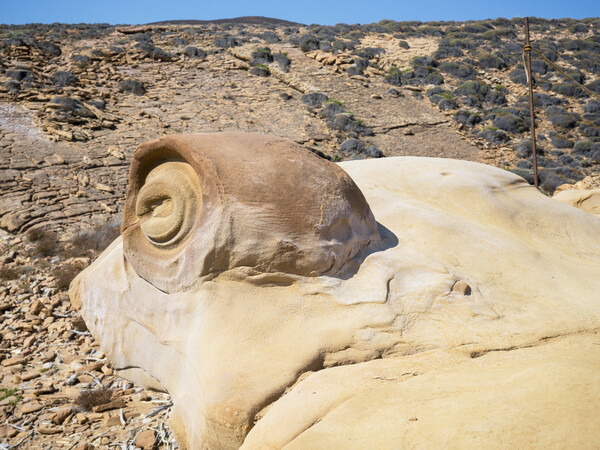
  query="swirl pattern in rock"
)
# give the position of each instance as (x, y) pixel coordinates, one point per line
(233, 200)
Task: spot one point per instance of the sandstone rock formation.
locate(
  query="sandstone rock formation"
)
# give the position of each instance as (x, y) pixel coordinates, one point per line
(466, 315)
(586, 199)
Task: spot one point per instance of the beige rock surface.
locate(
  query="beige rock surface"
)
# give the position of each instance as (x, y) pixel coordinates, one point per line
(585, 199)
(230, 347)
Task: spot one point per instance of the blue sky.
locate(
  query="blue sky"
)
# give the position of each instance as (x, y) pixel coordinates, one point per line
(303, 11)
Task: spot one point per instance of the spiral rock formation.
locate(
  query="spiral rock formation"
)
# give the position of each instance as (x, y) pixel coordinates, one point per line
(199, 205)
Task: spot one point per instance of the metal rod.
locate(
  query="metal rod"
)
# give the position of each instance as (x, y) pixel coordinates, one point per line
(527, 50)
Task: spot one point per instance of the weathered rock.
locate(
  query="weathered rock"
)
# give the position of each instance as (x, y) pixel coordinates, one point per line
(586, 200)
(447, 300)
(146, 440)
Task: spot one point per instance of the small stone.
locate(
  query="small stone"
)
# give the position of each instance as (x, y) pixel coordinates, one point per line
(31, 407)
(83, 378)
(48, 356)
(8, 362)
(61, 415)
(111, 405)
(48, 430)
(85, 447)
(6, 431)
(112, 421)
(16, 368)
(30, 376)
(90, 367)
(81, 418)
(44, 390)
(36, 307)
(146, 440)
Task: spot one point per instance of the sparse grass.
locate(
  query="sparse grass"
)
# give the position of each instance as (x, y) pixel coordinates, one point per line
(337, 102)
(7, 392)
(233, 85)
(10, 392)
(87, 399)
(491, 128)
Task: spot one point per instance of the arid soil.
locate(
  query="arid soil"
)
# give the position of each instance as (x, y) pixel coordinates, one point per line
(75, 101)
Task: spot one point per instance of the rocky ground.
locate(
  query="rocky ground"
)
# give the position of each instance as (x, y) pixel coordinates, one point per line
(76, 100)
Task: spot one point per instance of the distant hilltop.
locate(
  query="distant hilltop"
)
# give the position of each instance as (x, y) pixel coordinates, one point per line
(257, 20)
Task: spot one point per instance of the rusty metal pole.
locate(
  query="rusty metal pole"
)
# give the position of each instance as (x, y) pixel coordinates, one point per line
(527, 50)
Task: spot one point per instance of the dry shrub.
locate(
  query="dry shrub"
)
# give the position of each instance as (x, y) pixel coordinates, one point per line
(46, 242)
(35, 234)
(10, 273)
(92, 242)
(89, 398)
(65, 273)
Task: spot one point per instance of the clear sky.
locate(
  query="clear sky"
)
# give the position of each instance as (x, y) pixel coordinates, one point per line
(303, 11)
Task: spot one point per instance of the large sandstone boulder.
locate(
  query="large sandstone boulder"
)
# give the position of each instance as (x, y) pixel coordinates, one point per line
(413, 302)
